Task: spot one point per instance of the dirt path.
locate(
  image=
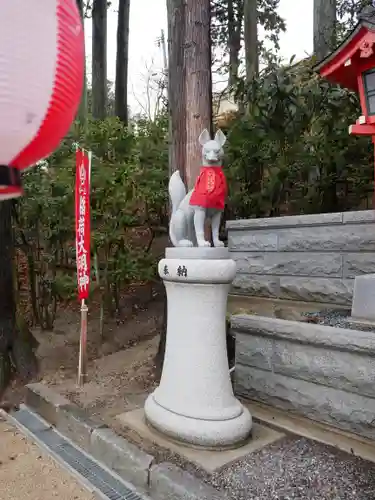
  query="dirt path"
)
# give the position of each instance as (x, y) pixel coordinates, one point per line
(125, 354)
(26, 474)
(116, 383)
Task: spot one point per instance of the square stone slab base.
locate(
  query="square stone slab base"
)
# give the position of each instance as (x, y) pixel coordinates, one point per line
(361, 323)
(208, 460)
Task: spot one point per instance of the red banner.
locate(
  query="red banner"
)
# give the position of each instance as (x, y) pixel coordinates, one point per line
(83, 223)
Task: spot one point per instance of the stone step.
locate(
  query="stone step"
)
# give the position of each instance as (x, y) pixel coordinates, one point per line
(160, 481)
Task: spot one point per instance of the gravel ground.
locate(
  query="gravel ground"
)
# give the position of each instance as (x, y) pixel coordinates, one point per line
(297, 468)
(336, 318)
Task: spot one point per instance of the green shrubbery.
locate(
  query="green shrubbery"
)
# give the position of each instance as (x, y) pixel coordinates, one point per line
(128, 206)
(289, 154)
(292, 153)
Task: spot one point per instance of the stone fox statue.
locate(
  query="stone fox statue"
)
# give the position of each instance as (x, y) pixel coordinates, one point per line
(205, 200)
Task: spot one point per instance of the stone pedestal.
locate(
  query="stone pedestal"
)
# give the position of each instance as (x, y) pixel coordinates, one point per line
(363, 305)
(194, 402)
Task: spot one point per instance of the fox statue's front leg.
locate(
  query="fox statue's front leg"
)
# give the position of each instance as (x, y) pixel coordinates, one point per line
(199, 220)
(215, 224)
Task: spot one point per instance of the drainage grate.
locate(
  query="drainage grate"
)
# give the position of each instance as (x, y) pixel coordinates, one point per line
(69, 455)
(98, 477)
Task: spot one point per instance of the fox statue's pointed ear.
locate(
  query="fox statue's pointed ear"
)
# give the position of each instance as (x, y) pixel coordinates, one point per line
(220, 138)
(204, 137)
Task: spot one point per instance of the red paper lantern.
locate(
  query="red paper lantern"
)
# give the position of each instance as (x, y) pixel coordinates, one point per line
(41, 79)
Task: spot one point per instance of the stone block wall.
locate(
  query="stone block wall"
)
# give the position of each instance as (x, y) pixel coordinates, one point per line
(311, 258)
(323, 373)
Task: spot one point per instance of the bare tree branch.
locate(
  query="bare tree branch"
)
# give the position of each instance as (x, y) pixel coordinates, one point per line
(153, 91)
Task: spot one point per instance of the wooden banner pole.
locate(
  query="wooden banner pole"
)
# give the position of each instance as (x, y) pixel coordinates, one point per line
(82, 365)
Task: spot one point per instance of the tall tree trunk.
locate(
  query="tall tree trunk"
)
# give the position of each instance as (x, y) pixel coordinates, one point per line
(16, 347)
(251, 39)
(324, 27)
(176, 86)
(198, 81)
(82, 112)
(7, 303)
(234, 39)
(99, 58)
(324, 43)
(122, 61)
(80, 4)
(177, 117)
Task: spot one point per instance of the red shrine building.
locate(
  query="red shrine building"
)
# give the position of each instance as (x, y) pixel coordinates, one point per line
(352, 65)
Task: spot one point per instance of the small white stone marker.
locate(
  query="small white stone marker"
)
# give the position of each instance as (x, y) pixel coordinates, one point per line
(363, 305)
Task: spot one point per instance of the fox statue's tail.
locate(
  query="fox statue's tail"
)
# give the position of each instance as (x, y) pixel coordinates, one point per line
(177, 193)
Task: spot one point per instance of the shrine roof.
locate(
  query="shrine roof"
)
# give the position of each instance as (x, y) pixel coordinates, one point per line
(335, 68)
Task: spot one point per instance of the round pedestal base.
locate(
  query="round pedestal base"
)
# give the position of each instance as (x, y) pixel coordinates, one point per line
(213, 434)
(194, 403)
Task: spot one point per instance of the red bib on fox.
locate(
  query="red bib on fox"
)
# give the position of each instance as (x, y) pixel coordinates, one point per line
(210, 189)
